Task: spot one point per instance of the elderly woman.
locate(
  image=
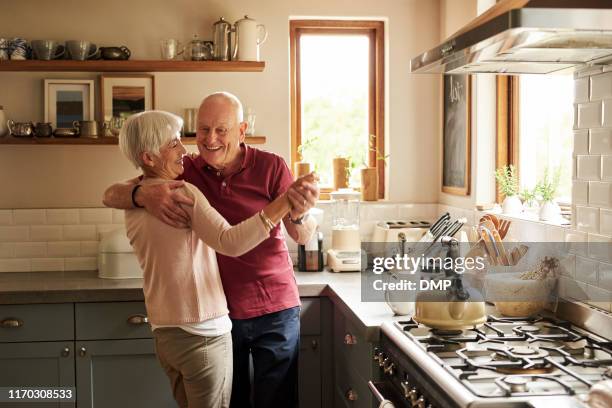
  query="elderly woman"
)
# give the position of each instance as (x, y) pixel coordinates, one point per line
(183, 294)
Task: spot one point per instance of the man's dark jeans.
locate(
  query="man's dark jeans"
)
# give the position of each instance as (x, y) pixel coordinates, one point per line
(274, 342)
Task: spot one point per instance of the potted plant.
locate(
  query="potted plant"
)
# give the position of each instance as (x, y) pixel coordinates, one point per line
(507, 181)
(547, 189)
(369, 175)
(530, 202)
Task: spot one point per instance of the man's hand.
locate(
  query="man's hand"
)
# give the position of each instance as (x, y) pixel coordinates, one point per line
(163, 202)
(303, 195)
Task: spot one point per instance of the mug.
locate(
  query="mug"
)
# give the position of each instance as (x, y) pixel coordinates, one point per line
(18, 49)
(81, 50)
(47, 49)
(86, 128)
(170, 49)
(20, 129)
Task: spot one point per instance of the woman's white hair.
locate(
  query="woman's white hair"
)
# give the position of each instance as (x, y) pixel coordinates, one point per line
(148, 132)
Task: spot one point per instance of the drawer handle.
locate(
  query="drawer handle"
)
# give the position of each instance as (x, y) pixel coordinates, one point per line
(82, 351)
(137, 319)
(351, 395)
(65, 352)
(349, 339)
(314, 344)
(11, 323)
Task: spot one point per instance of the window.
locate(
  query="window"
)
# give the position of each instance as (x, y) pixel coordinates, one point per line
(337, 96)
(535, 122)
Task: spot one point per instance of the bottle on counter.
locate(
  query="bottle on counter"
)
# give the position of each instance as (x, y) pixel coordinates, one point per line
(310, 256)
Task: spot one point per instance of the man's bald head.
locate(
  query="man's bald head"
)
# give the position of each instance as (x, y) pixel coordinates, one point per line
(225, 98)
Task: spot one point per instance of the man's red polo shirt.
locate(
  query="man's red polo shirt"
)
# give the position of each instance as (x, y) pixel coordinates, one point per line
(262, 280)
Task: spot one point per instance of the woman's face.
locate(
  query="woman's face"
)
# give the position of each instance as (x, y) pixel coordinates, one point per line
(169, 163)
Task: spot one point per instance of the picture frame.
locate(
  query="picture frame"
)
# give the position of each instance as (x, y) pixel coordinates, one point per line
(124, 95)
(67, 100)
(456, 134)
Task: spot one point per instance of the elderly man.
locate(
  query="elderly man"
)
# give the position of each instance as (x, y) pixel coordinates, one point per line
(261, 291)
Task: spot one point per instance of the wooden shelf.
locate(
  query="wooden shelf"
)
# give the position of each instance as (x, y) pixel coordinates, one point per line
(99, 141)
(132, 66)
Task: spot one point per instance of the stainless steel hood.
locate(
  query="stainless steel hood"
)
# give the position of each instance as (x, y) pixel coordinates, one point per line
(541, 37)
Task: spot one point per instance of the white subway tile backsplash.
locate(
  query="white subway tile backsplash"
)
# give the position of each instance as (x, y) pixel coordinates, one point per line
(568, 266)
(606, 168)
(7, 249)
(587, 219)
(581, 141)
(104, 228)
(589, 115)
(555, 233)
(64, 249)
(598, 297)
(96, 216)
(600, 141)
(607, 113)
(605, 276)
(600, 194)
(14, 234)
(605, 221)
(62, 216)
(580, 192)
(6, 217)
(47, 264)
(81, 264)
(15, 265)
(576, 290)
(30, 249)
(600, 247)
(586, 270)
(601, 86)
(118, 216)
(79, 232)
(581, 90)
(29, 217)
(45, 233)
(90, 248)
(588, 168)
(576, 242)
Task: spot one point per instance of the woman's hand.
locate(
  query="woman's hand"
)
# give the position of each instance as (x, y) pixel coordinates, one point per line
(303, 194)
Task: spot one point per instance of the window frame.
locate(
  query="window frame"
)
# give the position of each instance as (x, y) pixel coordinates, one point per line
(375, 32)
(507, 143)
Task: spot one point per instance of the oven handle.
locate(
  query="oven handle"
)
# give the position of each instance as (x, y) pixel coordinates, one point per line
(382, 401)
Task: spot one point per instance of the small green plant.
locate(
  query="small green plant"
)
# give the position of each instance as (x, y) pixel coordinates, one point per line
(528, 195)
(507, 180)
(372, 147)
(547, 187)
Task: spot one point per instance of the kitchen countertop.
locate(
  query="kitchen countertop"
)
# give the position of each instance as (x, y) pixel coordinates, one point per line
(343, 289)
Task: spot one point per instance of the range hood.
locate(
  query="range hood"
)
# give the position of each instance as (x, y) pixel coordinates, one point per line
(526, 37)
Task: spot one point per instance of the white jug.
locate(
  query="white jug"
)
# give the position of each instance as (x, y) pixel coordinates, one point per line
(249, 35)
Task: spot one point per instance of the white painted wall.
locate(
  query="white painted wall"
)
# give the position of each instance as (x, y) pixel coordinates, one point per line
(75, 176)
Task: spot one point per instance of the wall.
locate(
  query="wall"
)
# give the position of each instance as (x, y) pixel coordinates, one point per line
(72, 177)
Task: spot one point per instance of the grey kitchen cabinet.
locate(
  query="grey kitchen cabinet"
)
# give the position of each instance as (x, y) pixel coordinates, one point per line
(120, 373)
(37, 364)
(354, 363)
(315, 376)
(115, 358)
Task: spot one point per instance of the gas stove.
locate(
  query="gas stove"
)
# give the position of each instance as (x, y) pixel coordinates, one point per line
(508, 362)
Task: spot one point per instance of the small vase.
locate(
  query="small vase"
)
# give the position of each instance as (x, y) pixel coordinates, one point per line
(369, 184)
(549, 211)
(340, 165)
(512, 205)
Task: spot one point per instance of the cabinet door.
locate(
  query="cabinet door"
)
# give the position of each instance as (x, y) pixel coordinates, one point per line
(121, 373)
(44, 364)
(309, 375)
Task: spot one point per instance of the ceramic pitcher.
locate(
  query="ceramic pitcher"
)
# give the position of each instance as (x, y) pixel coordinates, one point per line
(249, 36)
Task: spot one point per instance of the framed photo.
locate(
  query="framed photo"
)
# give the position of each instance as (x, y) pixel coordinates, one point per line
(125, 95)
(456, 134)
(67, 100)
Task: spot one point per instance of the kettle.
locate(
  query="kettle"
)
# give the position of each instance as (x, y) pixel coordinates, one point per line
(452, 309)
(249, 36)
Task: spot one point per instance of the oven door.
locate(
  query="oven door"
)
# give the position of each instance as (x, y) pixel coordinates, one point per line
(386, 395)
